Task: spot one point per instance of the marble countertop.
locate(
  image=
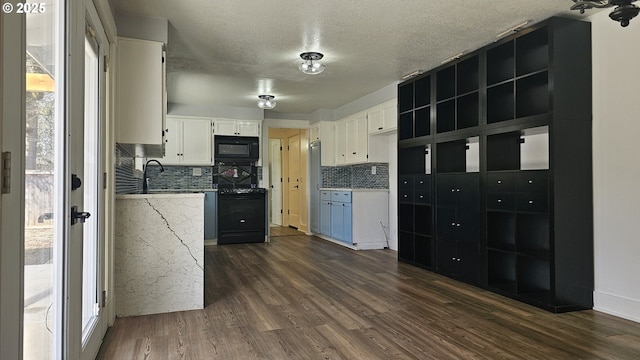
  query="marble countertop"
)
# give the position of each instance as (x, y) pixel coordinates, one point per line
(163, 195)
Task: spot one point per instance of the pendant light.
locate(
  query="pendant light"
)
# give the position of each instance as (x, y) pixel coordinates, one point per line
(266, 102)
(311, 64)
(624, 11)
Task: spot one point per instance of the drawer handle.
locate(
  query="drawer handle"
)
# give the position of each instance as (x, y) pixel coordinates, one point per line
(499, 200)
(530, 201)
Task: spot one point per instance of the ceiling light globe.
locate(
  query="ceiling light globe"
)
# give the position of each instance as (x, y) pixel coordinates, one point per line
(266, 102)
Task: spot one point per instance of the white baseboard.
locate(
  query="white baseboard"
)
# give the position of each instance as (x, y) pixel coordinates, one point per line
(617, 306)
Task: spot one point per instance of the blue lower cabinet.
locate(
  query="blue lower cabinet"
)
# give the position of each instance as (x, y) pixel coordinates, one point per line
(348, 223)
(337, 221)
(325, 218)
(341, 216)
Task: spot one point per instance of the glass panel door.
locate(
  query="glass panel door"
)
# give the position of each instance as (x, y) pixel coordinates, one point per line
(43, 183)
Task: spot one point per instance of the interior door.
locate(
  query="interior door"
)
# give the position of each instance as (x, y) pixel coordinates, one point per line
(275, 171)
(294, 180)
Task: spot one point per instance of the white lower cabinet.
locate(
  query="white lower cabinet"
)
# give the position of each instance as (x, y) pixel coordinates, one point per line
(188, 141)
(356, 218)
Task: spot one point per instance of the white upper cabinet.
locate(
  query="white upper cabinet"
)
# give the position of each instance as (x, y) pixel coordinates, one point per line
(341, 143)
(188, 141)
(357, 139)
(140, 93)
(383, 118)
(323, 131)
(236, 127)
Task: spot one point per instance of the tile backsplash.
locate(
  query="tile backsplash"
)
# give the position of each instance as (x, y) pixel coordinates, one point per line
(356, 176)
(127, 181)
(180, 177)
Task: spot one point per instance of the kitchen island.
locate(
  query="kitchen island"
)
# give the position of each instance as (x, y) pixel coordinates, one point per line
(159, 253)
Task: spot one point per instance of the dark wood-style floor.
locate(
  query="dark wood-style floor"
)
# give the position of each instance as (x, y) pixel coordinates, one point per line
(301, 297)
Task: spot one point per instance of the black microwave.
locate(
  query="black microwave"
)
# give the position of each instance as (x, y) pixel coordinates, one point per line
(231, 148)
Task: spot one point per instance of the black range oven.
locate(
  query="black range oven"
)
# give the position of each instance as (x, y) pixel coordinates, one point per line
(242, 206)
(241, 215)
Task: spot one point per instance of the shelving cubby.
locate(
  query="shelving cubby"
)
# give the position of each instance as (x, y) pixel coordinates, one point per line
(415, 244)
(511, 201)
(414, 111)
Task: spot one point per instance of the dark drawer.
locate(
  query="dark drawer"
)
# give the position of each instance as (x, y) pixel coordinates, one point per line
(533, 202)
(405, 183)
(501, 201)
(405, 196)
(422, 183)
(501, 182)
(422, 197)
(533, 181)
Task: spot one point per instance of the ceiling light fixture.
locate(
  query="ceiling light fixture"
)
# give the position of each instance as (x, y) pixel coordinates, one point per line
(266, 102)
(623, 13)
(513, 29)
(454, 57)
(309, 66)
(415, 73)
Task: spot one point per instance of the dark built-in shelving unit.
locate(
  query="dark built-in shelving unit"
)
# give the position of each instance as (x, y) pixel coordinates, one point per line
(495, 174)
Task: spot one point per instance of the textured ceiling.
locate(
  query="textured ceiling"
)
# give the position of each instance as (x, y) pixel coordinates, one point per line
(226, 53)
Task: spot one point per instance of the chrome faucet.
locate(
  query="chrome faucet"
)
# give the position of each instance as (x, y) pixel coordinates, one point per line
(145, 179)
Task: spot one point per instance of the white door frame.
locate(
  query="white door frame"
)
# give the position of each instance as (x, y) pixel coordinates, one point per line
(12, 43)
(275, 177)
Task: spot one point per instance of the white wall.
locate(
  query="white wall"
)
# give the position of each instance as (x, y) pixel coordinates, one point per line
(616, 166)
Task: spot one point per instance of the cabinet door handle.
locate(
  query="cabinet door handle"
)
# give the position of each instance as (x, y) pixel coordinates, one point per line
(530, 201)
(379, 128)
(354, 153)
(499, 181)
(499, 200)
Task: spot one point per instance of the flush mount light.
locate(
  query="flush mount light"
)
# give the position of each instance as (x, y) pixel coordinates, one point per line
(624, 11)
(266, 102)
(311, 66)
(512, 29)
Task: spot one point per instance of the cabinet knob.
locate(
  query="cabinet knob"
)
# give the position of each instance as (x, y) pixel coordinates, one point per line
(457, 190)
(405, 195)
(458, 225)
(354, 153)
(530, 201)
(499, 181)
(421, 182)
(453, 224)
(458, 259)
(453, 190)
(421, 196)
(499, 200)
(454, 259)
